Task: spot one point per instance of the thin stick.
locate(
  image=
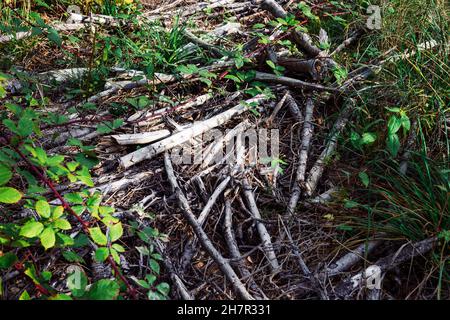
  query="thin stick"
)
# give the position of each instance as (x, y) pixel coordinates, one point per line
(224, 265)
(316, 172)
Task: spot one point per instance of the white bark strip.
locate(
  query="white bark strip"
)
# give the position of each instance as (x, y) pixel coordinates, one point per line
(140, 138)
(295, 83)
(307, 134)
(217, 146)
(407, 252)
(353, 257)
(316, 171)
(234, 250)
(263, 233)
(224, 265)
(306, 139)
(185, 135)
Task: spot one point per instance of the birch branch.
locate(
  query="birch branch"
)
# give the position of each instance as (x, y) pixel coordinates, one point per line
(224, 265)
(295, 83)
(316, 171)
(300, 175)
(185, 135)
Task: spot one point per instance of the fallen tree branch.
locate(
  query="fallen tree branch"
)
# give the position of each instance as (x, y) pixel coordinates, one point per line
(224, 265)
(407, 252)
(185, 135)
(235, 253)
(316, 171)
(140, 138)
(303, 158)
(295, 83)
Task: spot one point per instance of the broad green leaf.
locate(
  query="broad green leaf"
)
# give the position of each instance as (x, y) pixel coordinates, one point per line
(77, 282)
(61, 297)
(71, 256)
(154, 265)
(7, 260)
(41, 156)
(62, 224)
(101, 254)
(48, 238)
(140, 282)
(368, 138)
(115, 232)
(164, 288)
(43, 208)
(364, 178)
(24, 296)
(73, 197)
(25, 126)
(98, 236)
(9, 195)
(393, 144)
(118, 247)
(54, 37)
(394, 124)
(58, 212)
(104, 289)
(5, 174)
(31, 229)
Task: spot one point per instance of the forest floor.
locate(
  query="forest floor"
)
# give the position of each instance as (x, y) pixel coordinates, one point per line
(224, 150)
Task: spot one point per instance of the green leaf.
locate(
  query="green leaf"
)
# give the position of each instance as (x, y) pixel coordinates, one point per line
(58, 212)
(48, 238)
(115, 232)
(349, 204)
(25, 126)
(140, 282)
(7, 260)
(364, 178)
(5, 174)
(41, 156)
(154, 265)
(393, 144)
(62, 224)
(43, 208)
(104, 289)
(368, 138)
(118, 247)
(71, 256)
(54, 37)
(101, 254)
(406, 123)
(31, 229)
(73, 197)
(61, 297)
(394, 124)
(98, 236)
(164, 288)
(25, 296)
(9, 195)
(77, 282)
(271, 64)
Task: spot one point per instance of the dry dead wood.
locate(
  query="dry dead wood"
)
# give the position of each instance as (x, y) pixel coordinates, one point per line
(140, 138)
(316, 171)
(224, 264)
(236, 254)
(312, 67)
(191, 246)
(262, 230)
(353, 257)
(291, 82)
(185, 135)
(302, 40)
(303, 157)
(407, 252)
